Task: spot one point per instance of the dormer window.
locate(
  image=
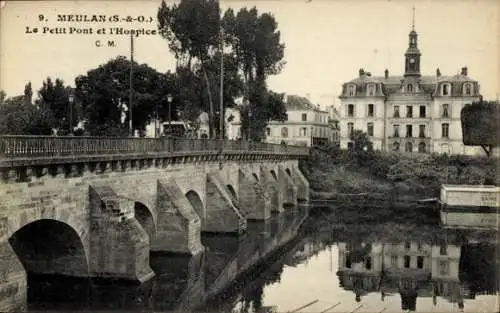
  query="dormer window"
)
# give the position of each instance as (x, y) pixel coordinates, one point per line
(445, 90)
(371, 90)
(468, 89)
(352, 90)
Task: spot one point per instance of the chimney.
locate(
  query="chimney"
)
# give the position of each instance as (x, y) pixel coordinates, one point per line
(361, 72)
(386, 73)
(438, 72)
(464, 71)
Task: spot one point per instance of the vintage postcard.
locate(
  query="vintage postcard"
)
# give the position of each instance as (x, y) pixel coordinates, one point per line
(299, 156)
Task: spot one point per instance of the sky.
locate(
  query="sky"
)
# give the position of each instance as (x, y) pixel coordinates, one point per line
(326, 41)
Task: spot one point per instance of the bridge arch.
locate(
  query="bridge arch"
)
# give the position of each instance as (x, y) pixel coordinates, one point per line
(67, 252)
(195, 200)
(146, 218)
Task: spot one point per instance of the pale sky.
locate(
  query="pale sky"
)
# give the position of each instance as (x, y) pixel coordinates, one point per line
(327, 41)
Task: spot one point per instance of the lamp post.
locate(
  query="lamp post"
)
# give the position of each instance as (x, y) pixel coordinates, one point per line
(70, 101)
(169, 100)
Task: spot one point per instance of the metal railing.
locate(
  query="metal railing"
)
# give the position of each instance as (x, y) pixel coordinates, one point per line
(51, 146)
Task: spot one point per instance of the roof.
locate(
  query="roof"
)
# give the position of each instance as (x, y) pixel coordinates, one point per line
(298, 103)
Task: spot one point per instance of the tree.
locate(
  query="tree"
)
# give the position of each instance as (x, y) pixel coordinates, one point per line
(3, 96)
(480, 124)
(361, 141)
(255, 41)
(104, 96)
(28, 93)
(192, 30)
(17, 118)
(55, 97)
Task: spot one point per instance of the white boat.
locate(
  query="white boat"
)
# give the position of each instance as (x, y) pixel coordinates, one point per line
(476, 206)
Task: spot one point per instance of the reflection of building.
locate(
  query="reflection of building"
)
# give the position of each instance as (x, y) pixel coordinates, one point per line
(411, 269)
(409, 112)
(304, 250)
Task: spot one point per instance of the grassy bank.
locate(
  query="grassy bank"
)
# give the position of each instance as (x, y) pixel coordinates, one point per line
(377, 176)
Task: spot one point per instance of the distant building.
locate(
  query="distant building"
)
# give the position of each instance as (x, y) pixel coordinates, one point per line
(410, 112)
(306, 125)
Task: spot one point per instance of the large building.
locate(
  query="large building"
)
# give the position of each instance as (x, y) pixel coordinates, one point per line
(306, 125)
(410, 112)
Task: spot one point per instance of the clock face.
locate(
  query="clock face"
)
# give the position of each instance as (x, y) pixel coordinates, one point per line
(412, 60)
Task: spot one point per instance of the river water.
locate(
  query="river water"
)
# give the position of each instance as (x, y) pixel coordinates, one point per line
(279, 267)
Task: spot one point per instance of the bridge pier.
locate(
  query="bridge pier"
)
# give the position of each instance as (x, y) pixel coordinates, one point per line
(272, 185)
(253, 197)
(13, 281)
(179, 226)
(302, 184)
(221, 214)
(119, 246)
(287, 187)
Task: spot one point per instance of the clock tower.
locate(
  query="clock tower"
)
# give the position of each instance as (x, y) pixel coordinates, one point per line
(412, 55)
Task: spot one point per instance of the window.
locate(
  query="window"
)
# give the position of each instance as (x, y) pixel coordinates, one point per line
(443, 249)
(350, 110)
(352, 90)
(396, 111)
(443, 268)
(420, 262)
(446, 89)
(304, 116)
(409, 111)
(422, 111)
(419, 246)
(350, 129)
(407, 261)
(370, 110)
(284, 132)
(409, 88)
(395, 146)
(445, 110)
(369, 129)
(394, 261)
(303, 131)
(371, 90)
(268, 131)
(368, 263)
(421, 131)
(409, 147)
(396, 130)
(409, 131)
(468, 89)
(407, 245)
(445, 130)
(421, 147)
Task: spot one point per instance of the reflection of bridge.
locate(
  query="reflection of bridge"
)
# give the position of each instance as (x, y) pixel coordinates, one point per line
(114, 199)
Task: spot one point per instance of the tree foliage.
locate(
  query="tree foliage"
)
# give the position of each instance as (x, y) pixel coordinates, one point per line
(104, 95)
(480, 124)
(192, 30)
(54, 97)
(361, 141)
(19, 118)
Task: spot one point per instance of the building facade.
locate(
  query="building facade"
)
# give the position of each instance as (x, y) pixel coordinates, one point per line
(306, 125)
(411, 112)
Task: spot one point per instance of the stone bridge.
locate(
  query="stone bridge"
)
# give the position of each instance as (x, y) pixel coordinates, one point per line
(96, 207)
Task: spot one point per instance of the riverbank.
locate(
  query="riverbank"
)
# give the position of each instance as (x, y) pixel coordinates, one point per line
(377, 176)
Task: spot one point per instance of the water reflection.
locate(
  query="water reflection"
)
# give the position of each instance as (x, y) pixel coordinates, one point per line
(353, 268)
(183, 282)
